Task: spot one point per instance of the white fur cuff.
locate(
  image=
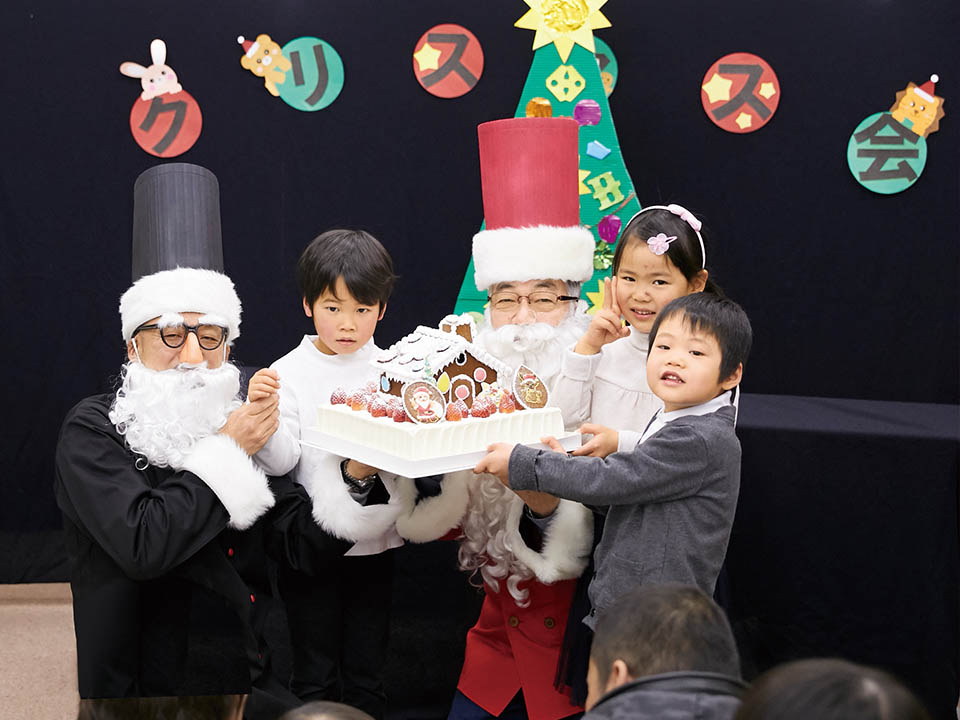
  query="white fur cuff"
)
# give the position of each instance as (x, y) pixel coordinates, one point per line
(534, 253)
(335, 510)
(432, 517)
(566, 542)
(227, 470)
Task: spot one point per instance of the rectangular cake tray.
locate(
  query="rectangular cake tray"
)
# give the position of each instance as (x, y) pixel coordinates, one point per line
(312, 437)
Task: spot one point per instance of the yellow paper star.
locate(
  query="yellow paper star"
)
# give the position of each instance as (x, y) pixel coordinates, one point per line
(584, 174)
(744, 120)
(595, 298)
(767, 90)
(717, 88)
(563, 23)
(427, 57)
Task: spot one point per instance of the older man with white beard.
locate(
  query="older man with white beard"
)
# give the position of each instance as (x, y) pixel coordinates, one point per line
(147, 479)
(528, 553)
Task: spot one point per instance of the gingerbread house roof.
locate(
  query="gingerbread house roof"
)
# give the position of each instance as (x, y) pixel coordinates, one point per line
(406, 360)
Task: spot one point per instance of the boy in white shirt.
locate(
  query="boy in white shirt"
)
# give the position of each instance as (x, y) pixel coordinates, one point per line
(338, 611)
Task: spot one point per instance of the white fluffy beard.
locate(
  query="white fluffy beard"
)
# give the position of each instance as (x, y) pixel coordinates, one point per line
(485, 547)
(539, 346)
(162, 414)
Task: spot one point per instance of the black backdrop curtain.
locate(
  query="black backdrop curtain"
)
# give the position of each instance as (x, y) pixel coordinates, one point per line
(851, 294)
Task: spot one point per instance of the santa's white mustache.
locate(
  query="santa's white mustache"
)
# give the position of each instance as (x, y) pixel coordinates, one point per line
(162, 414)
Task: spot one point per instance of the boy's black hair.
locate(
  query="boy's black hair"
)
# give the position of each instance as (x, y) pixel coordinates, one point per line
(657, 629)
(718, 316)
(829, 689)
(357, 257)
(684, 252)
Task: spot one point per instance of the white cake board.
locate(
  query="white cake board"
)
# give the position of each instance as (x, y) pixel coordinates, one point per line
(312, 437)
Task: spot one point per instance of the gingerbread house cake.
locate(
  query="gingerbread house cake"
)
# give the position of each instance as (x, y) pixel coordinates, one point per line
(446, 357)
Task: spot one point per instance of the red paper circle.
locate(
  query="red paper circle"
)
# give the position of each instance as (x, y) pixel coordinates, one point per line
(154, 132)
(744, 114)
(459, 64)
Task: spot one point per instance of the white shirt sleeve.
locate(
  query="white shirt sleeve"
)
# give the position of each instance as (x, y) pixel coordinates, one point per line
(627, 440)
(572, 390)
(282, 451)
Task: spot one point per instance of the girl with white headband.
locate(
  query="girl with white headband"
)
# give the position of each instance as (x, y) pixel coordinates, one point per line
(661, 256)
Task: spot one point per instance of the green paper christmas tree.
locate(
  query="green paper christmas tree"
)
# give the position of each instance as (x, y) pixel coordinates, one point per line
(564, 80)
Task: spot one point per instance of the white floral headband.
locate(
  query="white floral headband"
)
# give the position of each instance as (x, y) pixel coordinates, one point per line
(660, 243)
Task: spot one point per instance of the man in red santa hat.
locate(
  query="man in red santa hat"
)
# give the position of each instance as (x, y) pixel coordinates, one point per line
(149, 477)
(528, 552)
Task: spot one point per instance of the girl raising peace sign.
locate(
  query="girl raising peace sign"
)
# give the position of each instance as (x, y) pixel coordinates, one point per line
(602, 380)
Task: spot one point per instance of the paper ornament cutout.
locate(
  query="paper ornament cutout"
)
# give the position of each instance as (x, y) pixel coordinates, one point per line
(427, 57)
(157, 79)
(595, 298)
(583, 175)
(563, 23)
(539, 107)
(740, 93)
(884, 155)
(529, 390)
(165, 120)
(918, 108)
(587, 112)
(606, 189)
(609, 69)
(888, 150)
(448, 61)
(264, 59)
(565, 83)
(597, 149)
(315, 77)
(609, 228)
(423, 402)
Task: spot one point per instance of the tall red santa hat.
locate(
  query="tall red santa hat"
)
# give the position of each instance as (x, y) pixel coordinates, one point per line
(531, 203)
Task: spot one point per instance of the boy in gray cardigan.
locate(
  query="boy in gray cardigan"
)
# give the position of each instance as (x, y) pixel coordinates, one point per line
(670, 493)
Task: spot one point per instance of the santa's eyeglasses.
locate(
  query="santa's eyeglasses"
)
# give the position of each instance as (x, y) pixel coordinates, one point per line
(210, 337)
(540, 301)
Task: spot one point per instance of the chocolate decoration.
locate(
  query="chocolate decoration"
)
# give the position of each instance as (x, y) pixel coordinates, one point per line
(529, 390)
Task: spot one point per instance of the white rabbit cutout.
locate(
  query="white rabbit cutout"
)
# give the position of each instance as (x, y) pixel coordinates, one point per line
(159, 78)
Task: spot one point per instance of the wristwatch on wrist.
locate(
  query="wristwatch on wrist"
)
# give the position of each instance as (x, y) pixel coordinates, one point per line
(355, 483)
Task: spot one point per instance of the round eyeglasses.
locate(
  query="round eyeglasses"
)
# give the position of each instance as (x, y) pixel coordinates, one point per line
(210, 337)
(541, 301)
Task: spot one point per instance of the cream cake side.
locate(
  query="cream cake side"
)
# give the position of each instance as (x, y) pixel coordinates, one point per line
(419, 442)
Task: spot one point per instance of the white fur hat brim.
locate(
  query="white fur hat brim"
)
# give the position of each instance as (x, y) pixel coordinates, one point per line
(178, 291)
(532, 253)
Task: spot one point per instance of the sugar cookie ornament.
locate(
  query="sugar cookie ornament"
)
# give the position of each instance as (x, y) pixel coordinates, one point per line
(529, 390)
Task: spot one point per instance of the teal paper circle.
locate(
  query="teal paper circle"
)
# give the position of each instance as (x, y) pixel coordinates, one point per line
(891, 166)
(601, 48)
(308, 95)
